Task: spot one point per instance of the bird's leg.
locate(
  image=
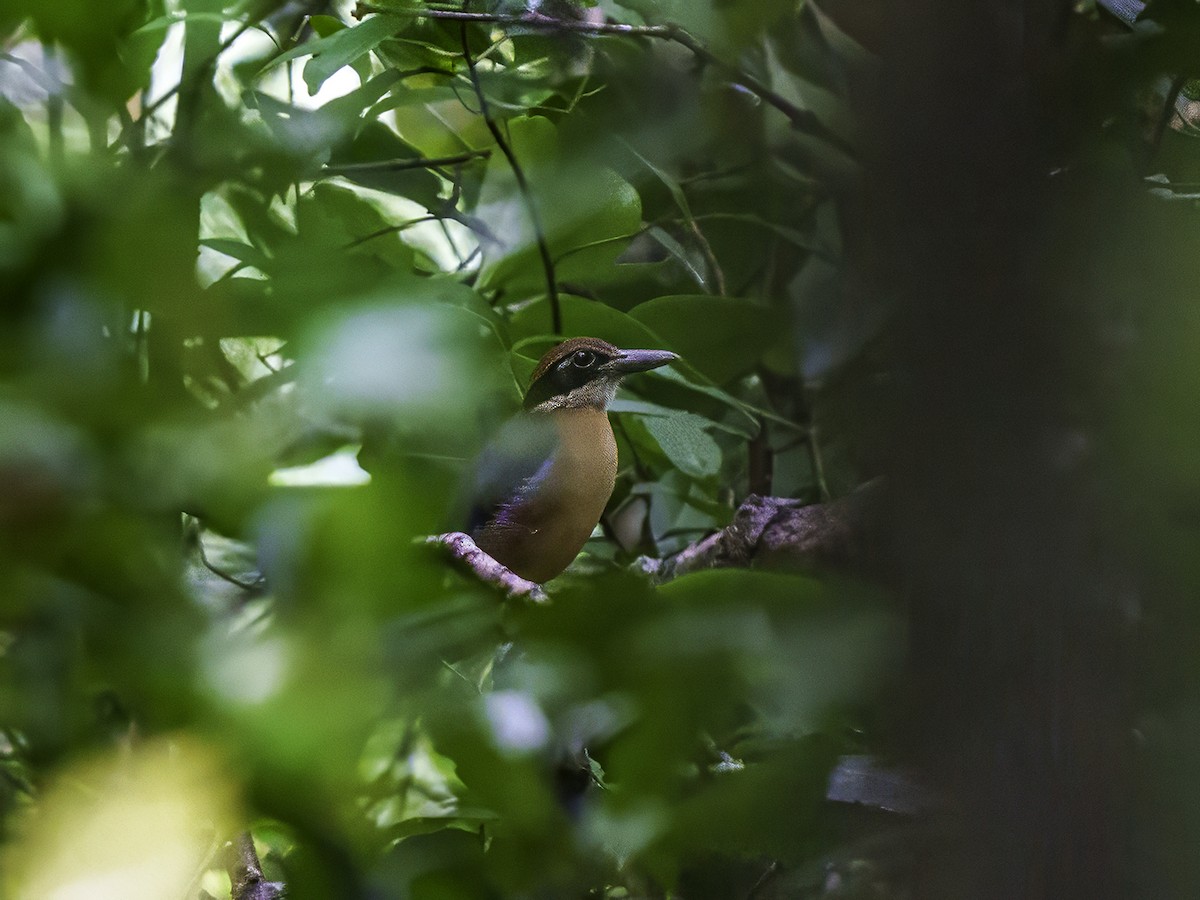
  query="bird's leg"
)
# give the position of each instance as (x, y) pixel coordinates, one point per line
(464, 549)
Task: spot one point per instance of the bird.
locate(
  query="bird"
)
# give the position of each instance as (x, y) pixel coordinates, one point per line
(540, 486)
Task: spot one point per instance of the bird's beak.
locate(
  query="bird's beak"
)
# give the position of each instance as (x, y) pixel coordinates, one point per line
(639, 361)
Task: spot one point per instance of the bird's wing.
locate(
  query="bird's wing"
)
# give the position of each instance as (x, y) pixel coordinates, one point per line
(509, 469)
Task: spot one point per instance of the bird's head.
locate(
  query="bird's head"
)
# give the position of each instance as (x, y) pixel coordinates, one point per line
(584, 373)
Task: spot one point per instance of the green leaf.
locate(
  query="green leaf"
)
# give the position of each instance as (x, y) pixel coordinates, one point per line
(803, 240)
(342, 217)
(700, 269)
(733, 336)
(308, 137)
(240, 251)
(691, 262)
(669, 181)
(581, 318)
(581, 233)
(697, 16)
(160, 24)
(340, 48)
(681, 508)
(722, 25)
(729, 586)
(643, 408)
(745, 418)
(685, 442)
(377, 143)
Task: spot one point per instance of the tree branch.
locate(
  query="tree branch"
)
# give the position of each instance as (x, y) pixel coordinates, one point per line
(464, 549)
(772, 532)
(522, 183)
(245, 871)
(801, 119)
(776, 532)
(769, 532)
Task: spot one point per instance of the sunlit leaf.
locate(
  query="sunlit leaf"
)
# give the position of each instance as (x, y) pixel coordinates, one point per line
(340, 48)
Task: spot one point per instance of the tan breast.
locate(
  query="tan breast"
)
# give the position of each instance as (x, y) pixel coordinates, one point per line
(547, 532)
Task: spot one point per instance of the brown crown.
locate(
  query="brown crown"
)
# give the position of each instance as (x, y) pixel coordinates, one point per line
(566, 348)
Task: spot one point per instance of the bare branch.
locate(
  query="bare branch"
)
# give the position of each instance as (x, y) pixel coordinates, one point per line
(769, 532)
(245, 871)
(463, 548)
(776, 532)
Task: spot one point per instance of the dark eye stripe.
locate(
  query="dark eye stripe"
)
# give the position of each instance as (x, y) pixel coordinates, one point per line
(565, 375)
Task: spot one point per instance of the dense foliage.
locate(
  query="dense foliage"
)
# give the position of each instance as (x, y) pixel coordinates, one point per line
(273, 272)
(241, 239)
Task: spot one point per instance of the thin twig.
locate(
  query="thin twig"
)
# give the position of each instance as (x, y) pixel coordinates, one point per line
(1168, 112)
(475, 224)
(50, 83)
(402, 165)
(801, 119)
(445, 229)
(390, 229)
(228, 274)
(763, 880)
(522, 183)
(469, 258)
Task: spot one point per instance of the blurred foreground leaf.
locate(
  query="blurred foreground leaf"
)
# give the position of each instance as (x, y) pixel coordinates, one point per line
(126, 826)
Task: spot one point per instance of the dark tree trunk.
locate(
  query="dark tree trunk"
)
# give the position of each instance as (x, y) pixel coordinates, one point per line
(1017, 707)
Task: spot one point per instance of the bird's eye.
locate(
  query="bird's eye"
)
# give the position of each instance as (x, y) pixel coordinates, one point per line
(583, 358)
